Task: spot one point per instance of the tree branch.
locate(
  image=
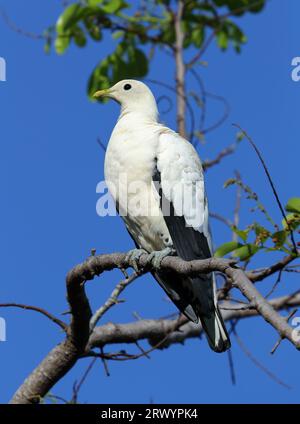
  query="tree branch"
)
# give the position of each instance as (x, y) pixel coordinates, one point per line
(112, 300)
(64, 356)
(222, 154)
(180, 70)
(47, 314)
(156, 329)
(272, 269)
(78, 341)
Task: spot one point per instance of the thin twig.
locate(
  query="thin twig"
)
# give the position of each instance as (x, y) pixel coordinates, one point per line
(278, 279)
(112, 300)
(203, 97)
(222, 154)
(255, 276)
(47, 314)
(231, 367)
(188, 105)
(220, 18)
(277, 344)
(103, 147)
(258, 364)
(223, 117)
(103, 358)
(142, 350)
(220, 218)
(203, 49)
(77, 387)
(20, 31)
(236, 213)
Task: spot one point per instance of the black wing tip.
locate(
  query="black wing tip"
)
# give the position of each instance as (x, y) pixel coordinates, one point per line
(222, 347)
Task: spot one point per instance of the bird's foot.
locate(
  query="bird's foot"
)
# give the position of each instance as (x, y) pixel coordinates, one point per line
(133, 257)
(155, 258)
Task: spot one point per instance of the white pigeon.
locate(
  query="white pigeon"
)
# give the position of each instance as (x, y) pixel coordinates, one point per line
(156, 179)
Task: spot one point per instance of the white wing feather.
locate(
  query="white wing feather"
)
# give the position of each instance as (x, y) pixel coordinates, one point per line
(182, 180)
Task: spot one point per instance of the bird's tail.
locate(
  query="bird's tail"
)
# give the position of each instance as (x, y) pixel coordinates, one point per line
(196, 298)
(209, 314)
(215, 330)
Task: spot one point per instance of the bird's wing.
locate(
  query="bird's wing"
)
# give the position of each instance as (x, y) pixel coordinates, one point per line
(179, 179)
(184, 203)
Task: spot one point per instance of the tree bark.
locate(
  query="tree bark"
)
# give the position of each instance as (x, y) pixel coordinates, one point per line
(180, 70)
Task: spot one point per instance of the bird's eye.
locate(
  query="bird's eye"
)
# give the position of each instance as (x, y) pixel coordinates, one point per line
(127, 87)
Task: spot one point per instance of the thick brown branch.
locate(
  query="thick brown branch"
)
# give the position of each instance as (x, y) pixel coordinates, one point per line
(155, 330)
(56, 364)
(62, 358)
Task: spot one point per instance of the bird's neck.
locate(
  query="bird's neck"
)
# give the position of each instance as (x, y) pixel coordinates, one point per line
(149, 114)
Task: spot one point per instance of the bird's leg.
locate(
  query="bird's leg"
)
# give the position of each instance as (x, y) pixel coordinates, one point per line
(155, 258)
(133, 257)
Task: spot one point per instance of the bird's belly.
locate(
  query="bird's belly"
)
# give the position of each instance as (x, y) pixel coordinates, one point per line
(150, 233)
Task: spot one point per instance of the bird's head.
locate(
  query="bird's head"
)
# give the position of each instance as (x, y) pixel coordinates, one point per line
(133, 96)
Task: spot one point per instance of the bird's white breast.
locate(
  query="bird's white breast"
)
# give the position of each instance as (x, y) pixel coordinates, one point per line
(129, 163)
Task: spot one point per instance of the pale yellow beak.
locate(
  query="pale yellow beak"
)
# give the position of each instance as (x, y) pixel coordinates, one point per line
(101, 93)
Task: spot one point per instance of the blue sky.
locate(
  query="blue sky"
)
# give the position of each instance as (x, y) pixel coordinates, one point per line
(50, 165)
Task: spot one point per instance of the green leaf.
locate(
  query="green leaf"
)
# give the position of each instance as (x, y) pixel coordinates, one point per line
(62, 42)
(222, 40)
(262, 234)
(239, 7)
(245, 252)
(126, 62)
(226, 248)
(198, 36)
(113, 6)
(117, 34)
(167, 33)
(79, 37)
(257, 6)
(243, 234)
(279, 238)
(139, 63)
(293, 205)
(229, 182)
(93, 30)
(69, 17)
(94, 3)
(240, 136)
(293, 219)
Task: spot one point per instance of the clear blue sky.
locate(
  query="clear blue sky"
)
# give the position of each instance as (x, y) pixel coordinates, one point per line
(50, 165)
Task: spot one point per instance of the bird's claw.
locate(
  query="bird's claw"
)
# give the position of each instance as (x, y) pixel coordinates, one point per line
(155, 258)
(133, 257)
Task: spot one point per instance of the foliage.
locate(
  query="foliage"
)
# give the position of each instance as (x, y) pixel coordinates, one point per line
(256, 237)
(140, 27)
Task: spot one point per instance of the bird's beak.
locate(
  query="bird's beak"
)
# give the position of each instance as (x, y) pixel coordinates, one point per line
(102, 93)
